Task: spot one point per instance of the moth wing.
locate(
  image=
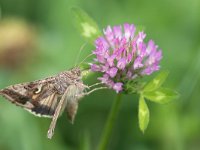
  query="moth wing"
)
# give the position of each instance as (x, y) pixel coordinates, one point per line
(69, 100)
(46, 107)
(38, 97)
(72, 101)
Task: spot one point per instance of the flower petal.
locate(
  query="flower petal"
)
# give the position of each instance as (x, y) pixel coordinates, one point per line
(129, 30)
(118, 87)
(112, 72)
(121, 63)
(95, 68)
(117, 31)
(110, 60)
(138, 63)
(109, 35)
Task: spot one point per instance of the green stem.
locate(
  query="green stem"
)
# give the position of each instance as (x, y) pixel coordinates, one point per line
(109, 124)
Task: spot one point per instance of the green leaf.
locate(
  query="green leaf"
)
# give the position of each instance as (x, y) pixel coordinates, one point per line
(85, 24)
(162, 95)
(156, 82)
(143, 114)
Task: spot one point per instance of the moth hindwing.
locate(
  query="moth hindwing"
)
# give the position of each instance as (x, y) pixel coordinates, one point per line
(49, 97)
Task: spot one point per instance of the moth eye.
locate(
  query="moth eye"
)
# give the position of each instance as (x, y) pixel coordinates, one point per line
(78, 72)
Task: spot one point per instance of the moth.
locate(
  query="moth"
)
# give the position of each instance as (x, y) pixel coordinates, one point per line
(49, 97)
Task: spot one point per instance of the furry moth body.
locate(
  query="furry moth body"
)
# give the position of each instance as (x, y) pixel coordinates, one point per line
(49, 97)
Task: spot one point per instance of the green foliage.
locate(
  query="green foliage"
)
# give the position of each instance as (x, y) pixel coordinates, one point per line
(154, 92)
(143, 114)
(87, 27)
(161, 95)
(156, 82)
(132, 86)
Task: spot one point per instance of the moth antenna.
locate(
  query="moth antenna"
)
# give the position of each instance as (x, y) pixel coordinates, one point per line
(85, 59)
(79, 53)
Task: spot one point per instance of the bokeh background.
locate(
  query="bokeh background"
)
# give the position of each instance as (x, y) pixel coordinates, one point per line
(38, 39)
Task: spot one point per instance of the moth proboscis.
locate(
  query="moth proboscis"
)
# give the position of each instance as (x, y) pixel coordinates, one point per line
(49, 97)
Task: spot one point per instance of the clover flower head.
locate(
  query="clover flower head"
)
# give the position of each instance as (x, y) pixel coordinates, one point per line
(122, 56)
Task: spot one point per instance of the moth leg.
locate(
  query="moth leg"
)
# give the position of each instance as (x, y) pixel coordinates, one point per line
(99, 83)
(56, 115)
(95, 89)
(91, 91)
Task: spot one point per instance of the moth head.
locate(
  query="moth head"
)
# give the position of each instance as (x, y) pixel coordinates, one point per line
(76, 71)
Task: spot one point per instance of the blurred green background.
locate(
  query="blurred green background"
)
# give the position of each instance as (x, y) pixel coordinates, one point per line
(38, 39)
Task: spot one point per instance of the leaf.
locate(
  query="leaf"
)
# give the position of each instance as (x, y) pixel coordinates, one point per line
(156, 82)
(143, 114)
(85, 24)
(162, 95)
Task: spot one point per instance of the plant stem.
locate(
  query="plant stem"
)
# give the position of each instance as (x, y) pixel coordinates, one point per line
(109, 124)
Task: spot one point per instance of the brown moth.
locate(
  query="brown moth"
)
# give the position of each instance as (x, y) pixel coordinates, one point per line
(49, 97)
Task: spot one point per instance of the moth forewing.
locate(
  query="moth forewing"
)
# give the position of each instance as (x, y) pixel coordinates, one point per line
(37, 98)
(16, 96)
